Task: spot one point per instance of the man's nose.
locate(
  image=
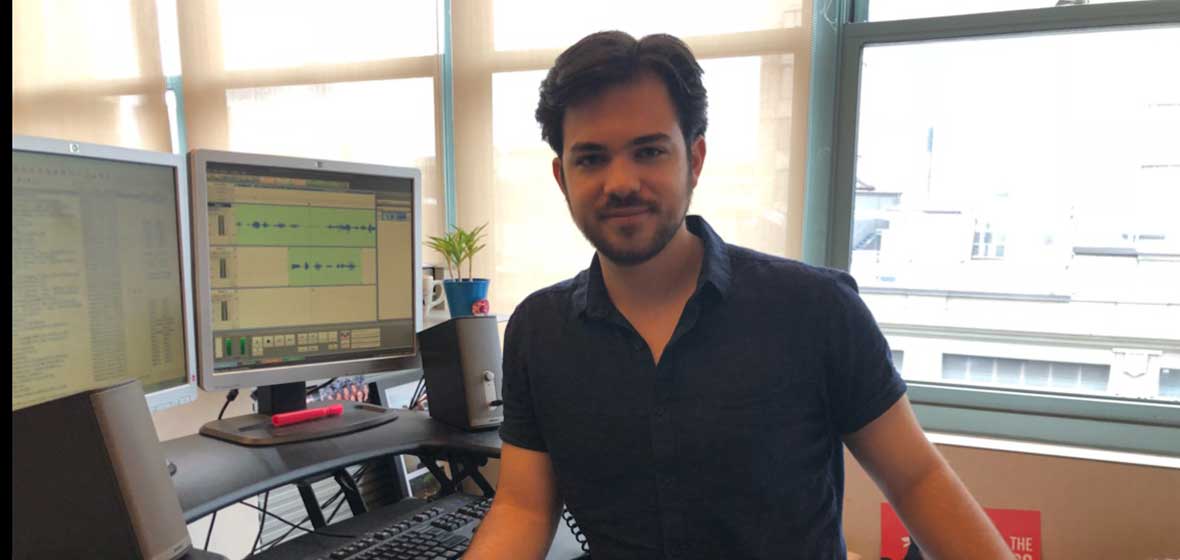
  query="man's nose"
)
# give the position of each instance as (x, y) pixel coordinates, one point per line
(622, 178)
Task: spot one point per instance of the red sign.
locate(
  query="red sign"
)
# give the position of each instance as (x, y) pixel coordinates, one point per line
(1021, 530)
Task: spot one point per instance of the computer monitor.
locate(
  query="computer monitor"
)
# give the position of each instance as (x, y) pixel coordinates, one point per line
(305, 270)
(100, 272)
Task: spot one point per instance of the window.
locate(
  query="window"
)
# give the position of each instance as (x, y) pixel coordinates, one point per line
(358, 82)
(985, 243)
(883, 10)
(90, 72)
(1170, 382)
(757, 65)
(983, 370)
(1026, 260)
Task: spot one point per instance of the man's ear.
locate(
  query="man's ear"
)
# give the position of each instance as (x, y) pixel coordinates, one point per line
(559, 176)
(698, 157)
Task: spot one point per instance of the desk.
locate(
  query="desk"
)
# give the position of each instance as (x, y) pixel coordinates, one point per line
(212, 474)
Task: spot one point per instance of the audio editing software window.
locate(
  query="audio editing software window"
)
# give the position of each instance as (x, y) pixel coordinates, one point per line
(308, 266)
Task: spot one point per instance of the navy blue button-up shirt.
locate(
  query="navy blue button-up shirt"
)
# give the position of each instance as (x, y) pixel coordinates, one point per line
(729, 447)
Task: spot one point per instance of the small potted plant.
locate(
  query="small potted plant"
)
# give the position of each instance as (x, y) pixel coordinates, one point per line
(465, 296)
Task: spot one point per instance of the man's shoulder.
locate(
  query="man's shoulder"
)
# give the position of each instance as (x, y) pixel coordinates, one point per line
(772, 271)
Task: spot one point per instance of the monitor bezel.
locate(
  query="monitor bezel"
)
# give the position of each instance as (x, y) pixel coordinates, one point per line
(198, 161)
(187, 392)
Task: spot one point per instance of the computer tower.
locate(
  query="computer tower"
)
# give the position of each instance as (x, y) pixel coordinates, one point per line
(461, 360)
(89, 480)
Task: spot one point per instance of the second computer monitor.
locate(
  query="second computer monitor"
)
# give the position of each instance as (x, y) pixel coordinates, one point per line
(305, 269)
(100, 272)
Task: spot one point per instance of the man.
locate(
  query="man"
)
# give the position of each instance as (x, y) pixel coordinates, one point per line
(683, 397)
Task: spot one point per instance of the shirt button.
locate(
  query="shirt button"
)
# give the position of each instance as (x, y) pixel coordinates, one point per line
(660, 412)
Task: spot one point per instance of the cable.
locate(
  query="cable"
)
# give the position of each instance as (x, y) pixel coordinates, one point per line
(261, 523)
(334, 511)
(355, 487)
(417, 389)
(360, 473)
(573, 525)
(229, 397)
(300, 527)
(321, 386)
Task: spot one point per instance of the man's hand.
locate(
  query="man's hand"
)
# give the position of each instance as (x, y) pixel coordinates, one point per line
(523, 517)
(934, 505)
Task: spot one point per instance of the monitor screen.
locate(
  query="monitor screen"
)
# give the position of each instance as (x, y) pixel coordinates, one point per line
(305, 268)
(100, 272)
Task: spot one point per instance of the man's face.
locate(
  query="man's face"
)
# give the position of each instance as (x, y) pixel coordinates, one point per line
(625, 170)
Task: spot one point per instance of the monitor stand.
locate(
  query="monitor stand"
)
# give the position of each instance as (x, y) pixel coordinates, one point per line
(256, 429)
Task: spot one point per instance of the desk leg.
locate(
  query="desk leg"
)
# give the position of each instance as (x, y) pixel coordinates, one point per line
(439, 475)
(472, 470)
(462, 466)
(351, 492)
(312, 504)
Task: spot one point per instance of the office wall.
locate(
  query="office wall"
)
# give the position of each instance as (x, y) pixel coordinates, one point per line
(1089, 509)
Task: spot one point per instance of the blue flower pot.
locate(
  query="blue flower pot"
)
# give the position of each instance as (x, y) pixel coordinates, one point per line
(467, 297)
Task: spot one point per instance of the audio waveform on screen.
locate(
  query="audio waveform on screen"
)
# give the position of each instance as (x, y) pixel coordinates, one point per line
(363, 228)
(321, 266)
(306, 226)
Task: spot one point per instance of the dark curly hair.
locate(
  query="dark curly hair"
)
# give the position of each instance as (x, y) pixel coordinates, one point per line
(610, 58)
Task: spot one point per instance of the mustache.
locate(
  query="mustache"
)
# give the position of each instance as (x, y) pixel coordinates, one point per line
(630, 200)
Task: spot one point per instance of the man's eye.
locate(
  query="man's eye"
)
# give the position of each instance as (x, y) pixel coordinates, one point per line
(648, 152)
(589, 160)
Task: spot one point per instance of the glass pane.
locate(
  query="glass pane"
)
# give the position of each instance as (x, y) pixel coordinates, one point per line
(1008, 372)
(1036, 180)
(882, 10)
(954, 367)
(1036, 374)
(291, 33)
(1063, 375)
(388, 122)
(517, 25)
(1170, 382)
(740, 191)
(980, 370)
(75, 42)
(1095, 378)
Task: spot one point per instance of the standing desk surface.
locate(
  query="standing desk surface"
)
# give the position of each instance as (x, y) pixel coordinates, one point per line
(212, 474)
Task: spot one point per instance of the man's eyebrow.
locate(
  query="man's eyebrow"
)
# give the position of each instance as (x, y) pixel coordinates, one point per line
(582, 147)
(650, 139)
(587, 147)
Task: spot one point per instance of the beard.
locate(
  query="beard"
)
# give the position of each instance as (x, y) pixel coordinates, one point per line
(633, 244)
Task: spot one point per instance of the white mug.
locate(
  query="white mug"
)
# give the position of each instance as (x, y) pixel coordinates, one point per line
(433, 294)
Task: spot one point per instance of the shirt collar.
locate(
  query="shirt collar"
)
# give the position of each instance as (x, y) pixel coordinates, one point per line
(590, 295)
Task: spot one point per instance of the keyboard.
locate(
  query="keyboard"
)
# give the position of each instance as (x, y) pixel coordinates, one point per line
(411, 529)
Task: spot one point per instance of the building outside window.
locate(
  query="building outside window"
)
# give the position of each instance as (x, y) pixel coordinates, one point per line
(1030, 261)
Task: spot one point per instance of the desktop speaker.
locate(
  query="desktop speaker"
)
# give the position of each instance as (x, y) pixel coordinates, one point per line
(461, 361)
(89, 480)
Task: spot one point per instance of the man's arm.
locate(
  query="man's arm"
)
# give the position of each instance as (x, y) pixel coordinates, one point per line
(523, 517)
(934, 505)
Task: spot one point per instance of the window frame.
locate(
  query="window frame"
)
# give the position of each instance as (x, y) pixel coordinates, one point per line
(1139, 426)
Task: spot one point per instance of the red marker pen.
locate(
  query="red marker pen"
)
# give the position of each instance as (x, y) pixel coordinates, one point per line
(288, 418)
